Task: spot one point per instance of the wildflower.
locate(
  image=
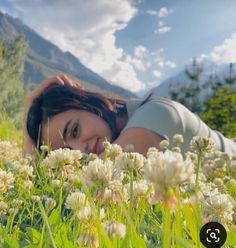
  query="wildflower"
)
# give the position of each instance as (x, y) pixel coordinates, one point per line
(35, 198)
(6, 180)
(130, 161)
(9, 151)
(75, 200)
(141, 191)
(164, 144)
(56, 183)
(114, 229)
(86, 213)
(17, 202)
(28, 185)
(219, 205)
(178, 139)
(3, 208)
(22, 168)
(112, 150)
(98, 172)
(167, 169)
(114, 192)
(50, 203)
(88, 239)
(202, 144)
(73, 178)
(44, 148)
(62, 157)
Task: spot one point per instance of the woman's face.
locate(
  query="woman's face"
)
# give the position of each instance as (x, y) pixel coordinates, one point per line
(76, 129)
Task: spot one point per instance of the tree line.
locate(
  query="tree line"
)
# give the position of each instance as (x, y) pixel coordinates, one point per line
(213, 99)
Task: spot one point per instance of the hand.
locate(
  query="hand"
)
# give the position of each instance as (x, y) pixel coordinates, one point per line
(49, 83)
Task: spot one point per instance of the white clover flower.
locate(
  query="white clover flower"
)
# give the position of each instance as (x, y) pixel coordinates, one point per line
(44, 148)
(178, 139)
(6, 180)
(85, 213)
(50, 203)
(73, 178)
(128, 161)
(62, 157)
(88, 239)
(167, 169)
(141, 190)
(17, 202)
(164, 144)
(28, 185)
(22, 168)
(114, 229)
(98, 172)
(112, 150)
(75, 200)
(9, 151)
(56, 183)
(202, 144)
(114, 192)
(35, 198)
(219, 205)
(3, 208)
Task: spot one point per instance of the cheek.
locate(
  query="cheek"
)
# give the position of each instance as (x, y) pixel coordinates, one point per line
(101, 127)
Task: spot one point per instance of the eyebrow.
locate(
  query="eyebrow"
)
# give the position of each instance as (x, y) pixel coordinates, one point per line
(65, 130)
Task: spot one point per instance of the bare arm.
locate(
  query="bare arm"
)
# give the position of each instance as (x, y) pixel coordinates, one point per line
(141, 138)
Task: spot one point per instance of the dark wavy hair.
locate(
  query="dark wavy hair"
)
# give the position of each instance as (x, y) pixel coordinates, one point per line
(61, 98)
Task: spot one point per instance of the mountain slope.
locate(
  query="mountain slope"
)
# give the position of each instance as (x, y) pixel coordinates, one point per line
(44, 59)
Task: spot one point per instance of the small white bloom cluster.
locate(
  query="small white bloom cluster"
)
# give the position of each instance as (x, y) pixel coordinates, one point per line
(61, 157)
(202, 144)
(6, 180)
(128, 161)
(218, 206)
(9, 151)
(98, 172)
(75, 200)
(112, 150)
(167, 169)
(114, 229)
(142, 190)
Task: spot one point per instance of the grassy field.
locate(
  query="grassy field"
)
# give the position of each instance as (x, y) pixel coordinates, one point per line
(65, 198)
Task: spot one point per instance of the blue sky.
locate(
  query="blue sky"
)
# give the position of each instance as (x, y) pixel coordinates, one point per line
(134, 43)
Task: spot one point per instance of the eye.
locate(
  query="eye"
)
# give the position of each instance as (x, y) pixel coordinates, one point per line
(75, 130)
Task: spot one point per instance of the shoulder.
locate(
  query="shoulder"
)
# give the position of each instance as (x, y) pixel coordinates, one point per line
(161, 115)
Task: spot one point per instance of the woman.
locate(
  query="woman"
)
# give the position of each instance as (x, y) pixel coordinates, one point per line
(60, 113)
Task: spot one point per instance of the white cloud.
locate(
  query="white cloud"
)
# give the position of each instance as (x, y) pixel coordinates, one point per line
(170, 64)
(87, 29)
(157, 74)
(137, 63)
(163, 12)
(224, 53)
(140, 51)
(163, 30)
(152, 12)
